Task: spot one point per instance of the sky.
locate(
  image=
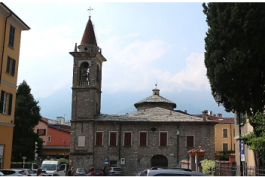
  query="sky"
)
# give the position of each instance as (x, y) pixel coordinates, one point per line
(144, 43)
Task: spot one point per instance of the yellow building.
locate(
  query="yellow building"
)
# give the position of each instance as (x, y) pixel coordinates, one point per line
(224, 133)
(11, 27)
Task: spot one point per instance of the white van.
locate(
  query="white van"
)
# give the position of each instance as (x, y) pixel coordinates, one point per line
(52, 167)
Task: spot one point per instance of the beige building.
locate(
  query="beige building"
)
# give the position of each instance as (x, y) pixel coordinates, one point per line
(249, 154)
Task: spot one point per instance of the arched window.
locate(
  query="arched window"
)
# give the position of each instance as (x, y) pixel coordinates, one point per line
(84, 72)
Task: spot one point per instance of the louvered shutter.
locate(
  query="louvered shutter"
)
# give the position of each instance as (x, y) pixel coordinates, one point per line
(10, 104)
(13, 67)
(8, 65)
(2, 101)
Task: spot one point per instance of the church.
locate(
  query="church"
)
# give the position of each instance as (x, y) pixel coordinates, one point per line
(154, 135)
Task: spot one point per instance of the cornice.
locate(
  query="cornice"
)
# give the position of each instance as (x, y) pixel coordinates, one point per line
(7, 124)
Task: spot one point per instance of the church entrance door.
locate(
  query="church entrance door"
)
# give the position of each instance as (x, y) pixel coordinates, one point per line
(159, 161)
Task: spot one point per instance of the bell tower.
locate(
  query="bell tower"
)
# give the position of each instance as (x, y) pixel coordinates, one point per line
(87, 76)
(86, 96)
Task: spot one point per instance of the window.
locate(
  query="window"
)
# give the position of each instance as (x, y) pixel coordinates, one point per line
(99, 138)
(127, 139)
(113, 139)
(10, 66)
(81, 141)
(41, 132)
(190, 141)
(234, 133)
(163, 138)
(225, 133)
(49, 139)
(11, 36)
(143, 139)
(6, 102)
(225, 146)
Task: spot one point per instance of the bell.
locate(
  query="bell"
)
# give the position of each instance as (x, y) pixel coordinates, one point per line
(84, 75)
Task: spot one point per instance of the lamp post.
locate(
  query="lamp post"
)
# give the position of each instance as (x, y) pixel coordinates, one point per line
(218, 99)
(64, 148)
(178, 147)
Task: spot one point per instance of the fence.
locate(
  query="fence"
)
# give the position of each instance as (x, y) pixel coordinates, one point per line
(234, 170)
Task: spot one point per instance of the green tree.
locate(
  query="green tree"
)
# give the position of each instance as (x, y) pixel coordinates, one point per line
(27, 116)
(234, 55)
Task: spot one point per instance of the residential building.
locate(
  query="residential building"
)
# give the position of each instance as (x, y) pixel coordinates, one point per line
(154, 135)
(11, 27)
(56, 137)
(224, 134)
(249, 157)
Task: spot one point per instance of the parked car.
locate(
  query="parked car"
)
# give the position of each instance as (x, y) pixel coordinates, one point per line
(173, 172)
(142, 173)
(114, 171)
(13, 172)
(99, 172)
(1, 174)
(27, 171)
(80, 172)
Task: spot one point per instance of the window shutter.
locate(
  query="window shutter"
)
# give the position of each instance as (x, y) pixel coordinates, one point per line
(127, 139)
(8, 64)
(10, 104)
(99, 139)
(113, 139)
(143, 136)
(13, 67)
(163, 139)
(2, 101)
(190, 141)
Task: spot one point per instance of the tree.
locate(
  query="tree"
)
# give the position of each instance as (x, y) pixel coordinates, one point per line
(27, 116)
(234, 55)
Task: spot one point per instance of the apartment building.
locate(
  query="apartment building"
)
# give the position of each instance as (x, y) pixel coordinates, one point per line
(11, 27)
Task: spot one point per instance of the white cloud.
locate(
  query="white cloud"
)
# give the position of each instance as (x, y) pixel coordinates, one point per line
(133, 68)
(45, 62)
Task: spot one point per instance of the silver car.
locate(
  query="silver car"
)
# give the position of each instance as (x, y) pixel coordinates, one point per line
(114, 171)
(173, 172)
(27, 171)
(13, 172)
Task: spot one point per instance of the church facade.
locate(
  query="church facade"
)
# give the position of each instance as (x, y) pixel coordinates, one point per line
(154, 135)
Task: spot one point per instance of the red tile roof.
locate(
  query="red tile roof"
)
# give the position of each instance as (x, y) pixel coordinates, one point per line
(89, 35)
(220, 120)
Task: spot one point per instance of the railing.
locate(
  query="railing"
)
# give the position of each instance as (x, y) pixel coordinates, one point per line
(234, 170)
(83, 83)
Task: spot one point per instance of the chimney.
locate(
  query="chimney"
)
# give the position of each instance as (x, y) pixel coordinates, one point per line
(206, 112)
(211, 112)
(219, 115)
(204, 115)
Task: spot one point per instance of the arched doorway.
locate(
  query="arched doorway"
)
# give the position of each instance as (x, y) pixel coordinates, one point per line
(159, 161)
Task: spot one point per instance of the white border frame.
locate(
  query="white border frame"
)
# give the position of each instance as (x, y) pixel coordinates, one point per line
(226, 133)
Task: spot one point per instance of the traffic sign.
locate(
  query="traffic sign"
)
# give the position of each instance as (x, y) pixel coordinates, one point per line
(106, 160)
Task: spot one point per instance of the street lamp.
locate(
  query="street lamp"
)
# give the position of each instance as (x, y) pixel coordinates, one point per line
(218, 99)
(64, 148)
